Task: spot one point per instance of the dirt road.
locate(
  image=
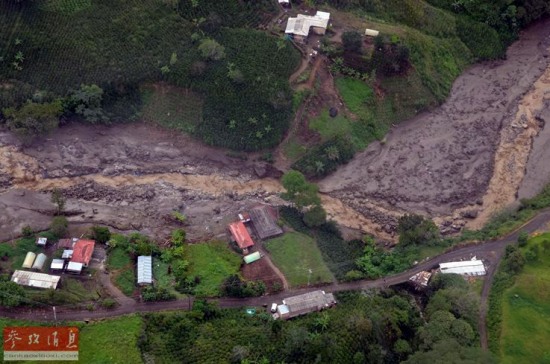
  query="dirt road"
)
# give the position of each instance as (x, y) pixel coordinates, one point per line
(491, 252)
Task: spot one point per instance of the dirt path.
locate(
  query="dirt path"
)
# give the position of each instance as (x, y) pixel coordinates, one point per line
(485, 251)
(277, 271)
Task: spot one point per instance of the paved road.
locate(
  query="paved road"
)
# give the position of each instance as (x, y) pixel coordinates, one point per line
(490, 250)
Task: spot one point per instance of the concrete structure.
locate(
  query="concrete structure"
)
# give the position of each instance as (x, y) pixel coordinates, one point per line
(33, 279)
(251, 258)
(41, 241)
(240, 235)
(284, 3)
(74, 267)
(467, 268)
(29, 260)
(304, 303)
(39, 261)
(420, 280)
(57, 264)
(371, 33)
(264, 222)
(300, 26)
(145, 269)
(82, 251)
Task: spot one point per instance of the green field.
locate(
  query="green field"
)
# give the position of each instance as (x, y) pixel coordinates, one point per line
(213, 262)
(111, 341)
(122, 270)
(295, 254)
(525, 335)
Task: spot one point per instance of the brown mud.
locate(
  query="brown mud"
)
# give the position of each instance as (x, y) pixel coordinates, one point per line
(459, 163)
(442, 163)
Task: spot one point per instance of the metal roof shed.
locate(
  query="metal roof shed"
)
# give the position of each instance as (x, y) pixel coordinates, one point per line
(145, 270)
(251, 258)
(33, 279)
(467, 267)
(67, 254)
(29, 259)
(265, 222)
(74, 267)
(41, 241)
(39, 261)
(308, 302)
(57, 264)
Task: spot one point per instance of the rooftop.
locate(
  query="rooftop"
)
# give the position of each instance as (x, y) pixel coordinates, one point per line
(33, 279)
(145, 269)
(308, 302)
(41, 241)
(264, 222)
(467, 267)
(82, 251)
(240, 234)
(301, 24)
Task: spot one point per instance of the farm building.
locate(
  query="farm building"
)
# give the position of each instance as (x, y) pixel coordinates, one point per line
(240, 235)
(304, 303)
(57, 264)
(284, 3)
(145, 269)
(41, 241)
(300, 26)
(251, 258)
(33, 279)
(74, 267)
(29, 260)
(39, 261)
(264, 222)
(82, 251)
(371, 33)
(66, 243)
(467, 268)
(67, 254)
(420, 280)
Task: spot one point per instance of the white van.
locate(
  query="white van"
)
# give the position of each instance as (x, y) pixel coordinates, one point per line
(273, 307)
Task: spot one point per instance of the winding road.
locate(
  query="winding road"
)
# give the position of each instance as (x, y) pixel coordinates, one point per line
(491, 252)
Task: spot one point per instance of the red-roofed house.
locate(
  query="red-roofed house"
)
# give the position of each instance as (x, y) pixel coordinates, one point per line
(82, 251)
(241, 235)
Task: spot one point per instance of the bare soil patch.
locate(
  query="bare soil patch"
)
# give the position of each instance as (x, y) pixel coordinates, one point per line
(261, 271)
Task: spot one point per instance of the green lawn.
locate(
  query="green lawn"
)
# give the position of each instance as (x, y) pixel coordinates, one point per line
(330, 127)
(118, 259)
(122, 270)
(295, 254)
(213, 262)
(110, 341)
(525, 333)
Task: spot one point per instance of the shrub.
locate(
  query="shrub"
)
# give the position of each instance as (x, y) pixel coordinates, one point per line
(58, 226)
(325, 158)
(108, 303)
(33, 119)
(151, 294)
(352, 41)
(101, 234)
(27, 231)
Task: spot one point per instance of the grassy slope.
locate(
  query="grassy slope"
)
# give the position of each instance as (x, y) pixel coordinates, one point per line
(213, 262)
(295, 253)
(526, 313)
(112, 341)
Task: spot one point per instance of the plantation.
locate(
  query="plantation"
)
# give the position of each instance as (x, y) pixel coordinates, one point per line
(526, 308)
(296, 254)
(243, 101)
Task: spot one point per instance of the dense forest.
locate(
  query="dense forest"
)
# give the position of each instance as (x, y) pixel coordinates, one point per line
(389, 326)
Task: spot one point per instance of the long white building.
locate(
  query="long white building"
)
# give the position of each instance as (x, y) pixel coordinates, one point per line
(467, 268)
